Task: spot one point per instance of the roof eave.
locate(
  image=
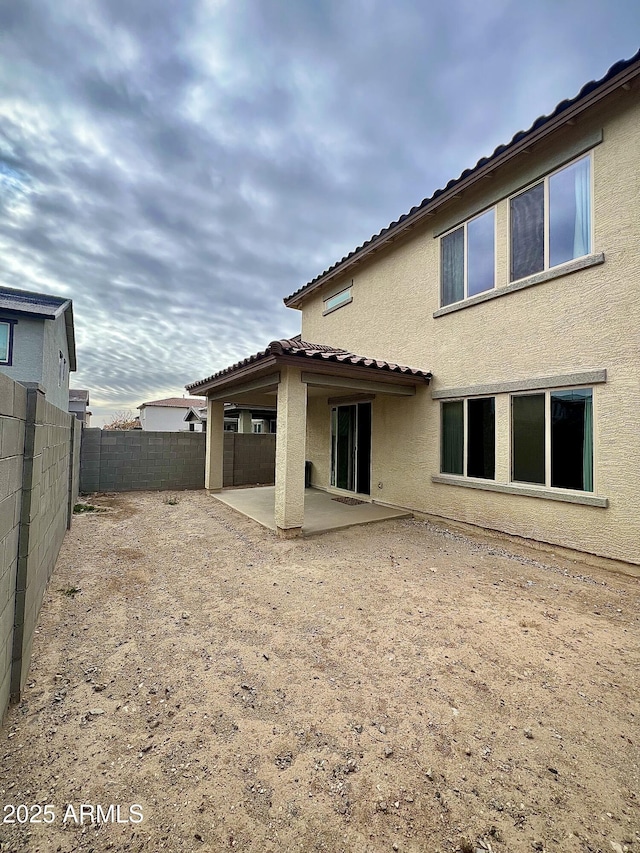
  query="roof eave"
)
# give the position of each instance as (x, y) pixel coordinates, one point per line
(71, 335)
(232, 377)
(410, 220)
(311, 365)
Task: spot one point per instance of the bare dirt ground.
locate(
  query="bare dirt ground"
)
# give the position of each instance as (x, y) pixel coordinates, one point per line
(388, 687)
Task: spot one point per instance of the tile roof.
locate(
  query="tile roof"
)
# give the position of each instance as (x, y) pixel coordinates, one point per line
(322, 352)
(523, 136)
(77, 395)
(176, 402)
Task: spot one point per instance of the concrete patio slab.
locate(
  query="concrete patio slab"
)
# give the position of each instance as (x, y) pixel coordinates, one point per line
(321, 511)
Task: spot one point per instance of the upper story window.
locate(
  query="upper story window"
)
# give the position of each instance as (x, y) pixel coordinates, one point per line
(467, 259)
(551, 221)
(62, 369)
(343, 297)
(6, 330)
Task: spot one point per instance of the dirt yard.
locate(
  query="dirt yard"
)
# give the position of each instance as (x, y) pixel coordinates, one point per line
(389, 687)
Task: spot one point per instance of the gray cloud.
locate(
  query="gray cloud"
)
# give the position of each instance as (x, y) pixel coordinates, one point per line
(178, 167)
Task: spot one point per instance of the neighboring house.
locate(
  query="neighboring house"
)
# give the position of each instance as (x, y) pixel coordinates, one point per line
(513, 296)
(168, 415)
(237, 418)
(78, 405)
(37, 341)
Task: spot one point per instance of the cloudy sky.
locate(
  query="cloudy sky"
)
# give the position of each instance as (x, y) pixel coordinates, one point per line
(177, 167)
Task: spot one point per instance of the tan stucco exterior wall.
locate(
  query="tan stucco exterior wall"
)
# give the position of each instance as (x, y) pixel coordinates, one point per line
(584, 321)
(290, 451)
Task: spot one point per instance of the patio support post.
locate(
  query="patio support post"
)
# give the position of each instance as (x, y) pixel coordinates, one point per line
(215, 446)
(244, 421)
(290, 452)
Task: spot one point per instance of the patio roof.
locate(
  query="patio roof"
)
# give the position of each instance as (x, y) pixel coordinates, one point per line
(315, 357)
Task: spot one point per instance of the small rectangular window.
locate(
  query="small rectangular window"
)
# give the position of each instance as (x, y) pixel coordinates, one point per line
(5, 337)
(337, 300)
(467, 259)
(62, 369)
(551, 221)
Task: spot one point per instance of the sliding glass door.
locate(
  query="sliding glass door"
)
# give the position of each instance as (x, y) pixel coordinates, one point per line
(351, 447)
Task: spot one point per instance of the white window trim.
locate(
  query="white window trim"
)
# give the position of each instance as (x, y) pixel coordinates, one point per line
(465, 420)
(346, 301)
(465, 255)
(544, 179)
(9, 333)
(547, 440)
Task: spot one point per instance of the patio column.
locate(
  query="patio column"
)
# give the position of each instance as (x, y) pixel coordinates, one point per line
(244, 421)
(213, 465)
(290, 452)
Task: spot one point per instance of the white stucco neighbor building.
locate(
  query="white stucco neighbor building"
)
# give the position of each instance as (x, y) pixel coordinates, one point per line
(79, 405)
(168, 415)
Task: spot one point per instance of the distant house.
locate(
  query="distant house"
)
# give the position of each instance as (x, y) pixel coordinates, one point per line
(78, 405)
(168, 415)
(237, 418)
(37, 341)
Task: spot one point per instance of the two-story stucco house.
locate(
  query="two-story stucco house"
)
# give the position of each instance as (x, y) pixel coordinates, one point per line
(478, 360)
(37, 341)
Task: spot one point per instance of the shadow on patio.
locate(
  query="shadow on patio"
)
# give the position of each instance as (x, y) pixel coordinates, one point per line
(322, 512)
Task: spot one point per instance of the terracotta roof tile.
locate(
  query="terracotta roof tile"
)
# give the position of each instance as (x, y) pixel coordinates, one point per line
(176, 402)
(586, 90)
(307, 350)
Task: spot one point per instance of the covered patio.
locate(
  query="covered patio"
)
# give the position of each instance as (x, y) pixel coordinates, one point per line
(322, 511)
(287, 373)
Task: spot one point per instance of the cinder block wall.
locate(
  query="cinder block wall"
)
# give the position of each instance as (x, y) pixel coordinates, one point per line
(13, 413)
(131, 460)
(249, 458)
(46, 478)
(39, 456)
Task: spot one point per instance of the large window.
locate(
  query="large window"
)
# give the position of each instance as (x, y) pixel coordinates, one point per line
(551, 221)
(552, 439)
(467, 259)
(468, 438)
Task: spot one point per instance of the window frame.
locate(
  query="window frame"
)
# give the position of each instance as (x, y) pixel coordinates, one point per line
(544, 180)
(465, 256)
(348, 298)
(548, 392)
(465, 438)
(9, 323)
(62, 369)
